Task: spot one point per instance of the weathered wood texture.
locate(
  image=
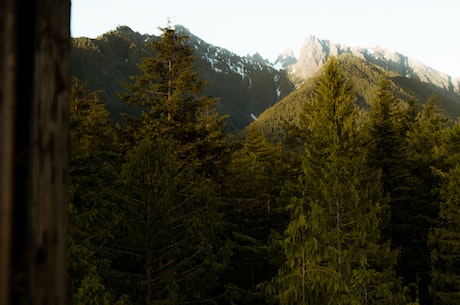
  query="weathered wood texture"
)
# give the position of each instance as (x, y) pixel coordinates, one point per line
(34, 87)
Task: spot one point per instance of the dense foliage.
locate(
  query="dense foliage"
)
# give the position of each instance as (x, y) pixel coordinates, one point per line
(355, 203)
(365, 79)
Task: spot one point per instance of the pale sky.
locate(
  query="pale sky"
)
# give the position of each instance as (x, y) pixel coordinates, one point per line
(428, 30)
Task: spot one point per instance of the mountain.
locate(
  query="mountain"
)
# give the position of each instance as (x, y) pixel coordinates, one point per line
(246, 86)
(107, 62)
(251, 88)
(364, 76)
(285, 59)
(315, 52)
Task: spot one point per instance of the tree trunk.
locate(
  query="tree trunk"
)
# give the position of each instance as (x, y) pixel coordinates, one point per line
(34, 87)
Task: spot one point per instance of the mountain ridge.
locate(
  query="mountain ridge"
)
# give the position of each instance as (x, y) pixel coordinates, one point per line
(246, 85)
(364, 77)
(334, 48)
(314, 52)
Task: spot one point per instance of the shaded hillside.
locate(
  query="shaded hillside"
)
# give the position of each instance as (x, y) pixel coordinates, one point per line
(107, 62)
(365, 77)
(246, 86)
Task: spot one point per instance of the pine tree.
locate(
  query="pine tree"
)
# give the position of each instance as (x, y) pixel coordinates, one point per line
(445, 241)
(333, 244)
(169, 91)
(391, 120)
(445, 237)
(92, 213)
(430, 125)
(388, 146)
(171, 175)
(256, 176)
(422, 209)
(168, 223)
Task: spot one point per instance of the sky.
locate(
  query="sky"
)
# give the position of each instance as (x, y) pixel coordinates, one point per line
(427, 30)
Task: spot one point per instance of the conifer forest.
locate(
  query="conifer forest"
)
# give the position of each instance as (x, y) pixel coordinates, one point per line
(351, 204)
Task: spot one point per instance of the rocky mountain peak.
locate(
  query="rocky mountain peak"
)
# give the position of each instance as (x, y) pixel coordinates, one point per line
(315, 52)
(285, 59)
(258, 58)
(127, 33)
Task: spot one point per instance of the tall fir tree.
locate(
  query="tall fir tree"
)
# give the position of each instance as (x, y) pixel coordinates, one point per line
(170, 226)
(390, 121)
(425, 154)
(92, 209)
(171, 175)
(333, 246)
(445, 240)
(388, 150)
(254, 211)
(445, 237)
(169, 92)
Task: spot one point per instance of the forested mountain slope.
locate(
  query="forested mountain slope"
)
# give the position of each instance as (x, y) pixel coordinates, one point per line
(169, 209)
(246, 86)
(365, 77)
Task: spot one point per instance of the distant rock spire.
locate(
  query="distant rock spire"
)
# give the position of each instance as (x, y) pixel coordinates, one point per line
(285, 59)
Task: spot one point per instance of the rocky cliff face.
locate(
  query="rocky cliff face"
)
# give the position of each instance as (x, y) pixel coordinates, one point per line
(315, 52)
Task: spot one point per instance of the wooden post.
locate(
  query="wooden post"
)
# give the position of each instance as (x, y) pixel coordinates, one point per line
(34, 94)
(7, 103)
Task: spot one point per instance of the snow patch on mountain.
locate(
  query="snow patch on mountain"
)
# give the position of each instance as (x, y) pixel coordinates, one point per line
(276, 80)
